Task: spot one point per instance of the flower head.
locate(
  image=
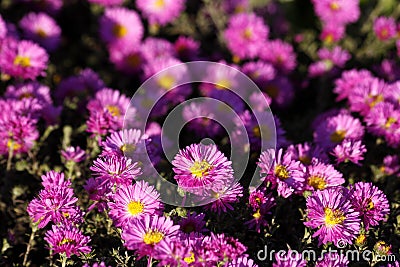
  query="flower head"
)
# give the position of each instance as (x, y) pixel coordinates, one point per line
(384, 28)
(160, 12)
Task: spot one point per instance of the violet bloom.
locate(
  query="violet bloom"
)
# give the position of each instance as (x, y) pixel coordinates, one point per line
(259, 71)
(333, 259)
(345, 85)
(352, 151)
(107, 3)
(134, 202)
(54, 179)
(391, 164)
(224, 197)
(264, 206)
(337, 11)
(147, 235)
(306, 153)
(186, 48)
(331, 33)
(115, 170)
(160, 12)
(201, 167)
(3, 28)
(173, 253)
(336, 57)
(30, 90)
(384, 28)
(286, 174)
(331, 212)
(193, 223)
(23, 59)
(280, 90)
(153, 48)
(289, 258)
(127, 59)
(127, 142)
(41, 28)
(245, 35)
(392, 94)
(68, 240)
(100, 194)
(322, 175)
(370, 202)
(280, 54)
(120, 27)
(75, 154)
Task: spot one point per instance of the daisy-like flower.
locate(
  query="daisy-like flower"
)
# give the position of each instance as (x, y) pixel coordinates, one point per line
(23, 59)
(259, 71)
(306, 153)
(30, 90)
(120, 27)
(54, 179)
(100, 194)
(345, 85)
(337, 128)
(322, 175)
(286, 174)
(125, 142)
(75, 154)
(173, 253)
(107, 3)
(384, 28)
(160, 12)
(199, 168)
(349, 151)
(67, 239)
(41, 28)
(146, 235)
(153, 48)
(289, 258)
(127, 59)
(333, 259)
(337, 11)
(115, 170)
(224, 197)
(331, 212)
(332, 33)
(264, 204)
(391, 164)
(329, 58)
(193, 223)
(370, 202)
(134, 202)
(280, 54)
(186, 48)
(245, 35)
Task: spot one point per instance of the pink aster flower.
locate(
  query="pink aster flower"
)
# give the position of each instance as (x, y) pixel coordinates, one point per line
(41, 28)
(107, 3)
(337, 11)
(100, 194)
(280, 54)
(186, 48)
(115, 170)
(199, 168)
(124, 142)
(337, 128)
(127, 59)
(120, 27)
(160, 12)
(54, 179)
(75, 154)
(306, 153)
(322, 175)
(153, 48)
(370, 202)
(3, 28)
(23, 59)
(264, 205)
(242, 261)
(333, 259)
(245, 35)
(392, 94)
(332, 33)
(349, 151)
(286, 174)
(289, 258)
(344, 86)
(146, 235)
(173, 253)
(30, 90)
(384, 28)
(134, 202)
(259, 71)
(193, 223)
(391, 164)
(329, 58)
(68, 240)
(330, 212)
(224, 197)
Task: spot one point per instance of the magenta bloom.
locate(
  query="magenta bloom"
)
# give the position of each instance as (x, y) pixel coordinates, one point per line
(331, 212)
(321, 175)
(307, 153)
(100, 194)
(337, 11)
(370, 202)
(245, 35)
(54, 179)
(41, 28)
(242, 261)
(224, 197)
(286, 174)
(200, 167)
(333, 259)
(125, 142)
(75, 154)
(194, 223)
(262, 204)
(153, 48)
(173, 253)
(385, 28)
(30, 90)
(280, 54)
(127, 59)
(3, 28)
(391, 164)
(68, 240)
(332, 33)
(107, 3)
(146, 235)
(289, 259)
(160, 12)
(186, 48)
(120, 27)
(259, 71)
(115, 170)
(134, 202)
(345, 85)
(336, 57)
(23, 59)
(349, 151)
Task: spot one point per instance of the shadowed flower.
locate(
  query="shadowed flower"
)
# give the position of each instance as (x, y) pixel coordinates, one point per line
(75, 154)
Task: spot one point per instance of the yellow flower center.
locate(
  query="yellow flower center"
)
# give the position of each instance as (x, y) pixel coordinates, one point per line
(190, 259)
(389, 122)
(127, 148)
(257, 214)
(360, 240)
(14, 145)
(281, 172)
(375, 99)
(200, 168)
(334, 6)
(25, 95)
(272, 91)
(384, 33)
(67, 241)
(152, 237)
(247, 34)
(338, 136)
(333, 217)
(119, 30)
(41, 33)
(223, 84)
(166, 82)
(114, 110)
(22, 61)
(159, 3)
(328, 39)
(133, 60)
(370, 205)
(316, 182)
(135, 207)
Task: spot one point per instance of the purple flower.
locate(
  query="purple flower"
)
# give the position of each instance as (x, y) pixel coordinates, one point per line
(337, 11)
(391, 164)
(306, 153)
(322, 175)
(30, 90)
(333, 259)
(264, 206)
(41, 28)
(224, 197)
(173, 253)
(127, 59)
(370, 202)
(125, 142)
(75, 154)
(345, 85)
(384, 28)
(134, 202)
(280, 54)
(160, 12)
(349, 151)
(332, 213)
(68, 240)
(193, 223)
(153, 48)
(289, 259)
(186, 48)
(332, 32)
(54, 179)
(200, 167)
(23, 59)
(242, 261)
(100, 194)
(107, 3)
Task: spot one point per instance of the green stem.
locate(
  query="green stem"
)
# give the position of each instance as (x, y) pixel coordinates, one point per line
(10, 156)
(63, 260)
(30, 243)
(149, 262)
